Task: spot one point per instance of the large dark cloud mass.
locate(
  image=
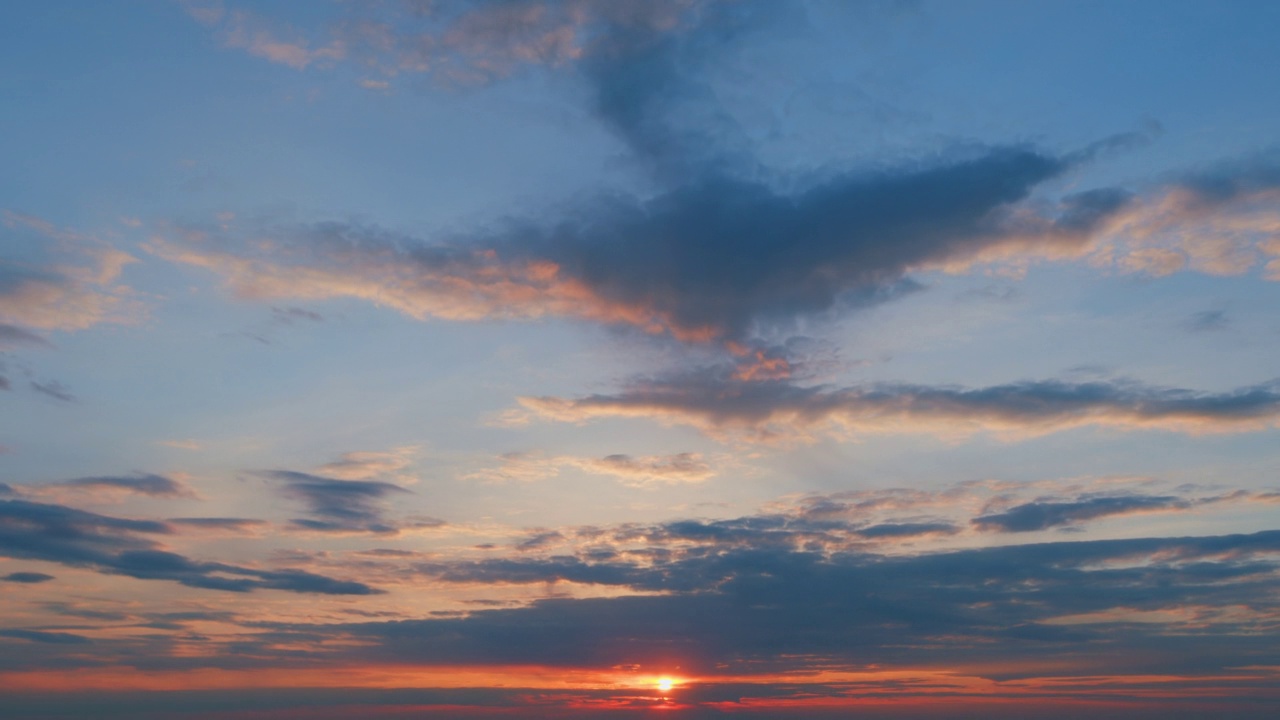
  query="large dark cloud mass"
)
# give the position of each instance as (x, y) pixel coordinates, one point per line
(764, 606)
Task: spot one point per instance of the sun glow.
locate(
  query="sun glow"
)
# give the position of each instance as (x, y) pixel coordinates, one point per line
(665, 684)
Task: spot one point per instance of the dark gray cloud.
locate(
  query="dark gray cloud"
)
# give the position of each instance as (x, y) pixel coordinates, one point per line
(142, 484)
(906, 529)
(59, 534)
(29, 578)
(725, 248)
(219, 524)
(291, 315)
(1049, 514)
(12, 336)
(769, 607)
(53, 389)
(341, 506)
(42, 636)
(715, 402)
(1208, 321)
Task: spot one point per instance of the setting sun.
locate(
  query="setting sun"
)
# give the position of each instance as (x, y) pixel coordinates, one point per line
(665, 683)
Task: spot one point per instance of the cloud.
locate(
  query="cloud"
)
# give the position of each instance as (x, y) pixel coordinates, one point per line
(52, 278)
(1218, 221)
(638, 471)
(108, 487)
(338, 506)
(1208, 321)
(221, 525)
(726, 249)
(12, 336)
(455, 42)
(253, 34)
(1049, 514)
(290, 315)
(652, 469)
(29, 578)
(41, 636)
(362, 465)
(118, 546)
(720, 406)
(55, 390)
(766, 608)
(718, 258)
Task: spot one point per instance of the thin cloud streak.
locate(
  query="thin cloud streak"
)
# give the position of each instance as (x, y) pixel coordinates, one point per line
(781, 410)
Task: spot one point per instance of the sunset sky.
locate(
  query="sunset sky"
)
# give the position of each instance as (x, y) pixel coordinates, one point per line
(677, 358)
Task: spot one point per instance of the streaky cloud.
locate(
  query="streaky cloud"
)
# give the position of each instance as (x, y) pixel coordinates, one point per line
(119, 546)
(338, 506)
(713, 402)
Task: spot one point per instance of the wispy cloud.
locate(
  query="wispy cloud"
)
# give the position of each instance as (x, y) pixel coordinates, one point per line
(62, 281)
(108, 487)
(639, 471)
(723, 407)
(338, 506)
(118, 546)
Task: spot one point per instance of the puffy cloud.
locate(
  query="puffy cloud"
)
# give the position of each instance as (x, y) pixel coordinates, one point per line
(722, 407)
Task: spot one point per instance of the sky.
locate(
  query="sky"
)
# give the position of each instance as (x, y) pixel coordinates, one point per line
(680, 359)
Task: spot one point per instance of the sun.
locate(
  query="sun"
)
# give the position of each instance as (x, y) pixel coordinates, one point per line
(665, 684)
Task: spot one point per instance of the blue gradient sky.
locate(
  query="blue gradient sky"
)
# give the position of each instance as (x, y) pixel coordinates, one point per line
(908, 359)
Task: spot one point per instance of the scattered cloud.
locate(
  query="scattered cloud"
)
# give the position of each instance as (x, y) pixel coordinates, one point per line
(12, 336)
(52, 278)
(112, 487)
(1208, 321)
(118, 546)
(1043, 515)
(43, 636)
(26, 578)
(53, 389)
(221, 525)
(720, 406)
(365, 464)
(338, 506)
(638, 471)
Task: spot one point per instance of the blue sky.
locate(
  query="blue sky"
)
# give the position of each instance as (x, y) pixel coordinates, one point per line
(426, 349)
